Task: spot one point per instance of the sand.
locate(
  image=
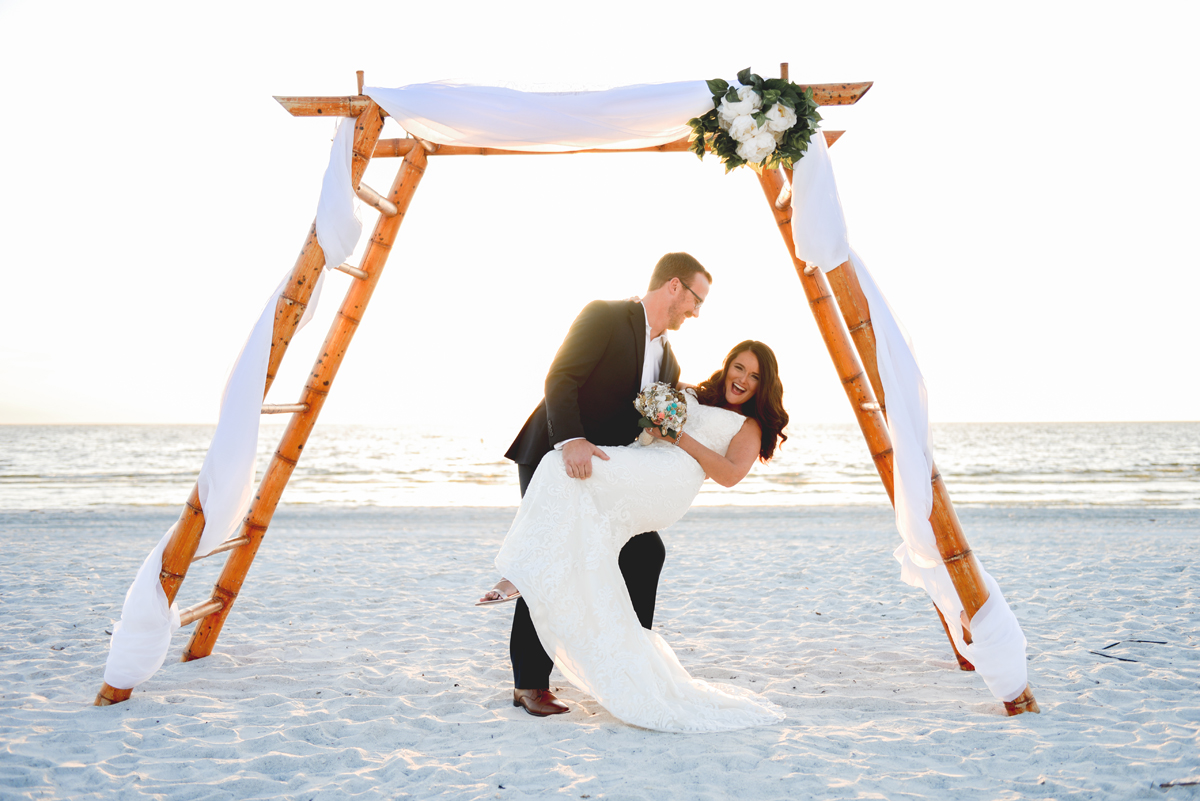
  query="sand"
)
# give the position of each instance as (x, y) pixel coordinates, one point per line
(355, 666)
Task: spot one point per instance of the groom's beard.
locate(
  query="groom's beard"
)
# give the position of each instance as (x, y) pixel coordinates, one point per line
(676, 314)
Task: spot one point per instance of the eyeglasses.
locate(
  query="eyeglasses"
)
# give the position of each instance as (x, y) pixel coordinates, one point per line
(699, 300)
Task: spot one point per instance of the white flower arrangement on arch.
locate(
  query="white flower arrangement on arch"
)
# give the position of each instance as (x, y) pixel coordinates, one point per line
(760, 123)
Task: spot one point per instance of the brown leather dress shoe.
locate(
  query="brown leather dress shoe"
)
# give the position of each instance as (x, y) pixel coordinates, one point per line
(541, 703)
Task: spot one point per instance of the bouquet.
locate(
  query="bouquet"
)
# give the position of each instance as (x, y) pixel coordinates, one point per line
(662, 406)
(760, 123)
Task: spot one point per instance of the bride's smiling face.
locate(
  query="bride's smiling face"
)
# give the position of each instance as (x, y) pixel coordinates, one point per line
(741, 380)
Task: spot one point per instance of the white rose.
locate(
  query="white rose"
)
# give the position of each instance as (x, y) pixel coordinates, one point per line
(748, 102)
(780, 118)
(743, 128)
(757, 148)
(747, 93)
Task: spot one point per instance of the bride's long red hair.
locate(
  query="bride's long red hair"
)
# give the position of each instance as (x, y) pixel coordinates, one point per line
(767, 404)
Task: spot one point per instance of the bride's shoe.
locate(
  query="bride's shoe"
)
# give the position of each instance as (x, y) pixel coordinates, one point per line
(504, 590)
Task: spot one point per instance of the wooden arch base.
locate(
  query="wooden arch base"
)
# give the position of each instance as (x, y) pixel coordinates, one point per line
(836, 301)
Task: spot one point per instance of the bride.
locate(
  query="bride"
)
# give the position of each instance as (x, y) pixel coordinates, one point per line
(562, 549)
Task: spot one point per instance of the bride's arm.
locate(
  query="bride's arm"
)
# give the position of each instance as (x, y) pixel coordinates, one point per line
(731, 468)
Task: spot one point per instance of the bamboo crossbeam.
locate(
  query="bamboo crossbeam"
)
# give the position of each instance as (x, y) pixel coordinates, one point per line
(372, 198)
(354, 271)
(177, 556)
(825, 94)
(192, 614)
(227, 545)
(394, 148)
(860, 379)
(287, 455)
(283, 408)
(347, 106)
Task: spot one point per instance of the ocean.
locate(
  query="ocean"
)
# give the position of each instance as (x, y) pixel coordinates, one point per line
(1028, 464)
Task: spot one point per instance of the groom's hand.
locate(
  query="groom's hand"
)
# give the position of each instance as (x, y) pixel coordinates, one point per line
(577, 456)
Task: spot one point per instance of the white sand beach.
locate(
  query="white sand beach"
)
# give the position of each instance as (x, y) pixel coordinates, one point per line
(355, 666)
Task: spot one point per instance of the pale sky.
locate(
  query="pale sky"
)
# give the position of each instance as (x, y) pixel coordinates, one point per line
(1020, 179)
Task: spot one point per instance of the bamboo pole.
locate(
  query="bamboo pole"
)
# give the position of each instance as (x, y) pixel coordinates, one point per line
(287, 455)
(179, 553)
(836, 331)
(394, 148)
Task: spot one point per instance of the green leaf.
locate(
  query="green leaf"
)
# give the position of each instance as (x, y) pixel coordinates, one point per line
(760, 118)
(717, 86)
(770, 97)
(731, 95)
(744, 77)
(644, 423)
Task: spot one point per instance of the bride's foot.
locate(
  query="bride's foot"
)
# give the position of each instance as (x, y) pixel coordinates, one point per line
(504, 590)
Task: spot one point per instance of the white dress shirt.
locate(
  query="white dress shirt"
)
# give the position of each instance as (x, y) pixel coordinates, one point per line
(652, 362)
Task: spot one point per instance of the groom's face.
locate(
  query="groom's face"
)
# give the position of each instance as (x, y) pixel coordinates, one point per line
(686, 301)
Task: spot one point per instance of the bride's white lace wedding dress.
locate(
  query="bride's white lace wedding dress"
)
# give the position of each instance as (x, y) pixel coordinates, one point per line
(561, 553)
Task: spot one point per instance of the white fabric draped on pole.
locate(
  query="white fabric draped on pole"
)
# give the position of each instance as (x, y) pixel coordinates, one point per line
(819, 229)
(142, 636)
(338, 226)
(818, 224)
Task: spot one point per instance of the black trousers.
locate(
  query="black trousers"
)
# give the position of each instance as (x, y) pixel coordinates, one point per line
(641, 562)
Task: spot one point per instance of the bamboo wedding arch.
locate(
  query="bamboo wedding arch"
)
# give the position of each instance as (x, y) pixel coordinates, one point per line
(836, 300)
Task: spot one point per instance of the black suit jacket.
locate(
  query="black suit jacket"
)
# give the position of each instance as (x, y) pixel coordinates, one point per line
(592, 382)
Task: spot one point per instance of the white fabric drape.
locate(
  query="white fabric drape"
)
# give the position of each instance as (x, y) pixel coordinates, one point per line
(626, 117)
(338, 226)
(492, 116)
(141, 637)
(818, 224)
(998, 646)
(819, 228)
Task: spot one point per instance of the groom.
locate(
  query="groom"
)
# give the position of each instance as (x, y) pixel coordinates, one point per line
(613, 350)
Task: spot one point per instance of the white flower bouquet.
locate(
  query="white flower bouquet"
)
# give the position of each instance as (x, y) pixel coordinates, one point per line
(661, 406)
(760, 123)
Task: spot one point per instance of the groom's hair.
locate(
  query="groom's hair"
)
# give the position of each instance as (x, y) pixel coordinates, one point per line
(676, 265)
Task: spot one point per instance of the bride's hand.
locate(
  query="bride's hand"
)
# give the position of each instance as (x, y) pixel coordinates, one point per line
(656, 432)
